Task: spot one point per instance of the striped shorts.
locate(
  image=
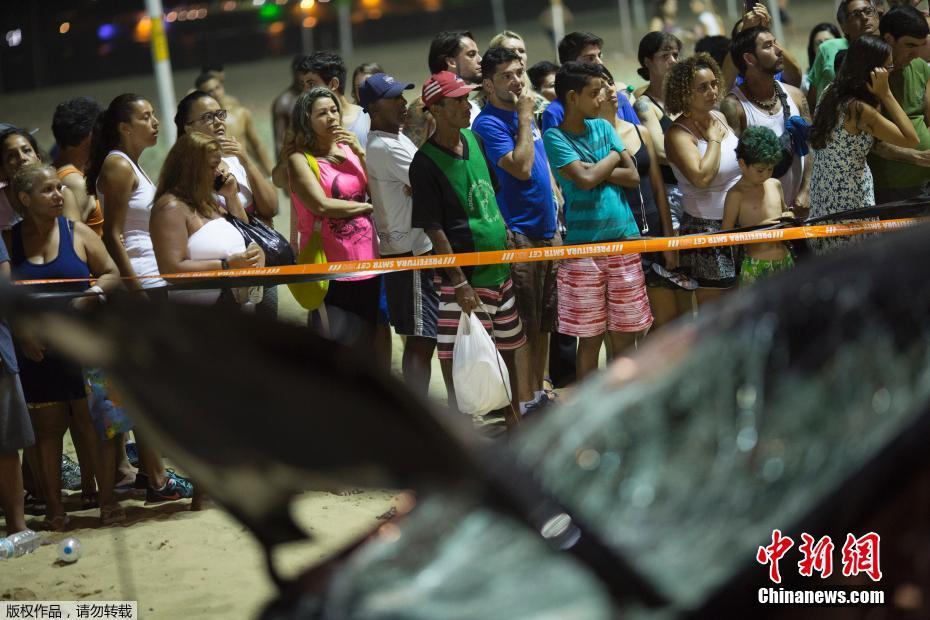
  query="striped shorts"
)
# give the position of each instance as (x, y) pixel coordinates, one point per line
(499, 317)
(602, 294)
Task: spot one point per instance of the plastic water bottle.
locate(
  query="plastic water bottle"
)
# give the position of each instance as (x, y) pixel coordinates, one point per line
(69, 550)
(19, 544)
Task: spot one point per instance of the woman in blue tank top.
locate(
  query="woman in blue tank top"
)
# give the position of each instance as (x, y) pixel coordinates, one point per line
(47, 245)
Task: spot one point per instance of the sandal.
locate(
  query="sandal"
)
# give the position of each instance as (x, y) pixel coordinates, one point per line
(32, 505)
(110, 515)
(89, 501)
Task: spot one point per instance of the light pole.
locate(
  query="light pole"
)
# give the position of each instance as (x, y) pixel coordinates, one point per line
(161, 60)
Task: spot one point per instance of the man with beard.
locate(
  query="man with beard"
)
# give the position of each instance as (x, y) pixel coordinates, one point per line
(454, 51)
(759, 101)
(517, 155)
(412, 298)
(856, 18)
(453, 201)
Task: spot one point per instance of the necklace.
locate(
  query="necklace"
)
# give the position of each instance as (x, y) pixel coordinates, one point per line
(768, 106)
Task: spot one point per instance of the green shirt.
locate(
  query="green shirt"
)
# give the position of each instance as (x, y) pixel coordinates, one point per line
(909, 88)
(455, 194)
(822, 74)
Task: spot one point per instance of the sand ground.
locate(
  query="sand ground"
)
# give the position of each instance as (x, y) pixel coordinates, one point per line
(179, 564)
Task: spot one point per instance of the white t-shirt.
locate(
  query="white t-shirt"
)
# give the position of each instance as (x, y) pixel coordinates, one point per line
(388, 157)
(360, 127)
(710, 23)
(474, 112)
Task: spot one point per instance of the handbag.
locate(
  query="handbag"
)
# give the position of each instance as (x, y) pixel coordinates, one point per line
(278, 252)
(310, 295)
(794, 139)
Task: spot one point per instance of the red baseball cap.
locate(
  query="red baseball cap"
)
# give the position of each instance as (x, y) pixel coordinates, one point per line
(444, 84)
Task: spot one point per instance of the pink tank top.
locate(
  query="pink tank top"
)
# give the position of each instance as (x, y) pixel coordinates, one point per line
(343, 239)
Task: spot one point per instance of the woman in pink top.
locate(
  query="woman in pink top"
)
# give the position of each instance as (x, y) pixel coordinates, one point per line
(329, 189)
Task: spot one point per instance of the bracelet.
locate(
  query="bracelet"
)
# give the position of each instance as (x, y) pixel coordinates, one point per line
(95, 289)
(717, 141)
(460, 284)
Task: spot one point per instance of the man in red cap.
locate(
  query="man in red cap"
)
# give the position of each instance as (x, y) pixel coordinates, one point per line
(453, 202)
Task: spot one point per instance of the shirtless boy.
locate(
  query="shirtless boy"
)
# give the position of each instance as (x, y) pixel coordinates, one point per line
(758, 199)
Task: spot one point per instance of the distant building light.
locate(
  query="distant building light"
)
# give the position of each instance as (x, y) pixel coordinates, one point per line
(309, 22)
(258, 2)
(182, 16)
(269, 12)
(14, 37)
(280, 1)
(143, 31)
(306, 5)
(64, 27)
(106, 32)
(201, 13)
(229, 5)
(171, 17)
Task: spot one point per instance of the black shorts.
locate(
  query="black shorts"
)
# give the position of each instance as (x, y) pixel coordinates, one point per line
(348, 304)
(413, 301)
(53, 380)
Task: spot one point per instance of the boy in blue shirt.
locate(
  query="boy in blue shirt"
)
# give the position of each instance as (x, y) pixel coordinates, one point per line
(603, 294)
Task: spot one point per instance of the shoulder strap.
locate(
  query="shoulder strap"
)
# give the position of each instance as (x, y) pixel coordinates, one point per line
(783, 97)
(311, 160)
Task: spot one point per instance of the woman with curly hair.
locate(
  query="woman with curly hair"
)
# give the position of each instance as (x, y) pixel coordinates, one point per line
(846, 125)
(701, 149)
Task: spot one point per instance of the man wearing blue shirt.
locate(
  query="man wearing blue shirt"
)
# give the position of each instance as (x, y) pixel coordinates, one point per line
(583, 47)
(515, 150)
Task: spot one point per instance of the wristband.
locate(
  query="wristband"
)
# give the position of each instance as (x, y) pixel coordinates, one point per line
(460, 284)
(95, 289)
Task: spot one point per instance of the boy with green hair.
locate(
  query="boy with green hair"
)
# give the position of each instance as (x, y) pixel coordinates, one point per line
(756, 199)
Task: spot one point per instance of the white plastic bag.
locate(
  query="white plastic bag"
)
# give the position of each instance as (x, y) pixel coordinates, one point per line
(479, 375)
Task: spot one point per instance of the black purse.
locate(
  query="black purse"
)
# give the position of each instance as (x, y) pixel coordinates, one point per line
(278, 252)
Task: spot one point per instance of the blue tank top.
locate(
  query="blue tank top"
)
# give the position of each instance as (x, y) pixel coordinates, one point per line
(66, 265)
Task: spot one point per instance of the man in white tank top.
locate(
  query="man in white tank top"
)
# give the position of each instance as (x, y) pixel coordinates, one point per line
(755, 101)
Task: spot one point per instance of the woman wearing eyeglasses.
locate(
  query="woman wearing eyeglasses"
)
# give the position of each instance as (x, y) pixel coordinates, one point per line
(198, 111)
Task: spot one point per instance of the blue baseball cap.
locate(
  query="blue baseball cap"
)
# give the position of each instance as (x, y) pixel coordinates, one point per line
(380, 86)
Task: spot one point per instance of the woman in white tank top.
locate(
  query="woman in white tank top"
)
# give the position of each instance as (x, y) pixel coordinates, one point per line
(126, 193)
(701, 150)
(190, 232)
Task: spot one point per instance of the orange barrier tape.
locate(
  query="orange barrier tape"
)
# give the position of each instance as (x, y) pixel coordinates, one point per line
(612, 248)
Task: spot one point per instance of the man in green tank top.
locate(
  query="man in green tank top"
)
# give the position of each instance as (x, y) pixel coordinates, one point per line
(454, 203)
(902, 173)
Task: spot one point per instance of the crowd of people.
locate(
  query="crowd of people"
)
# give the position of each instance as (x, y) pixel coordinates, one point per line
(491, 153)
